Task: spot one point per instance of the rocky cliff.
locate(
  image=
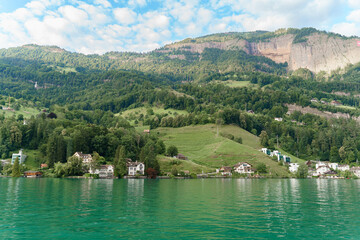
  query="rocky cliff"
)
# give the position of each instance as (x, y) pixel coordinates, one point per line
(317, 52)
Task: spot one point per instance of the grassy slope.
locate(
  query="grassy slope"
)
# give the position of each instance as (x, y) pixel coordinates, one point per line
(27, 112)
(202, 146)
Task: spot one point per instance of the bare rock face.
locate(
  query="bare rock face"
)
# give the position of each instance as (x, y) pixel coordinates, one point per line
(320, 52)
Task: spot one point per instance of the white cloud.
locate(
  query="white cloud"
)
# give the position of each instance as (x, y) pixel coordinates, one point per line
(74, 15)
(137, 3)
(347, 29)
(354, 3)
(125, 15)
(354, 16)
(104, 3)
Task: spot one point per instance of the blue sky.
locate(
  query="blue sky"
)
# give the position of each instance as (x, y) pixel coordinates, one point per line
(99, 26)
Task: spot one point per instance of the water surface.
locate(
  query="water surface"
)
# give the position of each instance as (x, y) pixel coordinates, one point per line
(187, 209)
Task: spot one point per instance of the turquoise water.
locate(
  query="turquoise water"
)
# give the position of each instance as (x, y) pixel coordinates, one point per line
(179, 209)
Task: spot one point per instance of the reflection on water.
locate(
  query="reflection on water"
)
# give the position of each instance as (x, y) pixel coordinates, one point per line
(165, 209)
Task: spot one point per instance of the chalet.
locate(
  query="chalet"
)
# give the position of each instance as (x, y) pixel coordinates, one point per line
(308, 163)
(243, 168)
(225, 171)
(181, 156)
(135, 168)
(19, 155)
(320, 164)
(105, 171)
(293, 167)
(86, 158)
(278, 119)
(251, 111)
(335, 103)
(32, 174)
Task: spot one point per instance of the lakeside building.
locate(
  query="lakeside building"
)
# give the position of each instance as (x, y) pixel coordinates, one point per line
(86, 158)
(135, 168)
(32, 174)
(105, 171)
(225, 170)
(293, 167)
(20, 155)
(243, 168)
(355, 171)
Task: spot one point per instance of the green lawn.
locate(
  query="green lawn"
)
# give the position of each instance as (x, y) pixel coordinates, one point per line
(33, 159)
(203, 147)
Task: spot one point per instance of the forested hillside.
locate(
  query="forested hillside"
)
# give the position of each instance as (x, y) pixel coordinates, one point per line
(83, 98)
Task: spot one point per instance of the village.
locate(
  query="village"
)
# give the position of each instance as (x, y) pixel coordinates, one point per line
(316, 169)
(135, 169)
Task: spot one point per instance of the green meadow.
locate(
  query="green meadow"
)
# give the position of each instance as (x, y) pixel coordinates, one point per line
(205, 148)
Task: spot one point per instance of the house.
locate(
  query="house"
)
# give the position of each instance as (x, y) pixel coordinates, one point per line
(20, 155)
(314, 100)
(243, 168)
(335, 103)
(286, 159)
(320, 164)
(4, 162)
(322, 170)
(44, 165)
(355, 171)
(293, 167)
(135, 168)
(86, 158)
(333, 166)
(344, 167)
(278, 119)
(147, 131)
(251, 111)
(266, 151)
(225, 171)
(105, 171)
(181, 156)
(308, 163)
(32, 174)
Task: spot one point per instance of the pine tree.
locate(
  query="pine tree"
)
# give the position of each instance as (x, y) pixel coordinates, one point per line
(16, 168)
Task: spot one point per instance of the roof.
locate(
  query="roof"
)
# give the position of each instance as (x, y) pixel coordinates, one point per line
(82, 155)
(242, 163)
(32, 172)
(133, 164)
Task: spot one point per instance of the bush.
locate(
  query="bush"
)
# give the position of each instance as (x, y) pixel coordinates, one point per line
(193, 175)
(261, 168)
(172, 151)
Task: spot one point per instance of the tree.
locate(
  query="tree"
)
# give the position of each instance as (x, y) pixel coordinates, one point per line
(74, 167)
(302, 171)
(334, 154)
(264, 139)
(261, 168)
(16, 168)
(160, 147)
(172, 151)
(120, 162)
(59, 169)
(148, 156)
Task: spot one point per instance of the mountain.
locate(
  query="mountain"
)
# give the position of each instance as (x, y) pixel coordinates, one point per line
(300, 48)
(271, 52)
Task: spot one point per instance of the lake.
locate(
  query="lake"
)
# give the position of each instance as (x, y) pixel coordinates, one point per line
(179, 209)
